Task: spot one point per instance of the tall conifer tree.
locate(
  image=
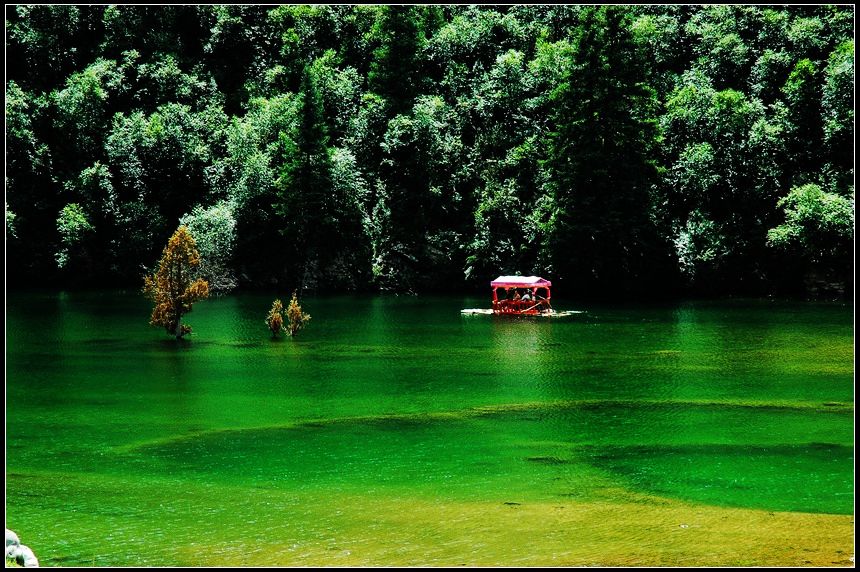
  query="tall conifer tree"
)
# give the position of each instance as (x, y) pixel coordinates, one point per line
(304, 189)
(601, 159)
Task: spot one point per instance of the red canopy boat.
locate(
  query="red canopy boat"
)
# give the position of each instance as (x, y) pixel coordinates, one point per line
(521, 295)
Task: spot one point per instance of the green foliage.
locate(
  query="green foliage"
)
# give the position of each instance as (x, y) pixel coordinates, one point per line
(802, 94)
(807, 35)
(392, 73)
(305, 186)
(498, 246)
(602, 160)
(49, 41)
(152, 30)
(160, 163)
(10, 223)
(240, 49)
(418, 199)
(73, 226)
(726, 163)
(418, 147)
(256, 150)
(82, 108)
(349, 267)
(162, 81)
(722, 42)
(695, 175)
(339, 90)
(815, 241)
(30, 185)
(837, 104)
(816, 222)
(214, 229)
(769, 72)
(702, 246)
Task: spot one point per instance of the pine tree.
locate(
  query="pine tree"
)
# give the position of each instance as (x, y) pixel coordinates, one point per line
(304, 189)
(601, 159)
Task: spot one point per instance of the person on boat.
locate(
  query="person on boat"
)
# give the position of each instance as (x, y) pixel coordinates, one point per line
(526, 296)
(542, 303)
(516, 295)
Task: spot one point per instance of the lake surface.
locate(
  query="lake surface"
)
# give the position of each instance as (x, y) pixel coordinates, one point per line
(395, 431)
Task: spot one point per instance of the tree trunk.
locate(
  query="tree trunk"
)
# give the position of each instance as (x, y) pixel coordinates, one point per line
(178, 331)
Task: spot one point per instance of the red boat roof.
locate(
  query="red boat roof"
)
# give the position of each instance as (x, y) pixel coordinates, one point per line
(520, 282)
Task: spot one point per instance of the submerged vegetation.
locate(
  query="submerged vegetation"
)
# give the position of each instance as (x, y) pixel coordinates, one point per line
(275, 318)
(706, 148)
(295, 317)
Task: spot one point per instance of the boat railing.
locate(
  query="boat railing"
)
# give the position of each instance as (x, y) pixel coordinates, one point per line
(521, 306)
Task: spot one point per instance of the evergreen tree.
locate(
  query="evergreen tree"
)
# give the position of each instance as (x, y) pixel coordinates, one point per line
(601, 158)
(304, 189)
(802, 94)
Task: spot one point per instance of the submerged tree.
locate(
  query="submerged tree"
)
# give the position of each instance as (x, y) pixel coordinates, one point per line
(172, 288)
(296, 318)
(275, 319)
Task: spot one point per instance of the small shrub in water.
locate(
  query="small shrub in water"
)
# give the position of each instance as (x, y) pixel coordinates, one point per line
(275, 319)
(296, 318)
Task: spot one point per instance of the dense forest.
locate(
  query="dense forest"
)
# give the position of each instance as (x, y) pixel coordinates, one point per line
(618, 151)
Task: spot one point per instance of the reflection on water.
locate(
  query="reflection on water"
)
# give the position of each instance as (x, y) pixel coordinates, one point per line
(387, 399)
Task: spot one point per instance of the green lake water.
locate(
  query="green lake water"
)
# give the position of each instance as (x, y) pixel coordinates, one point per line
(126, 447)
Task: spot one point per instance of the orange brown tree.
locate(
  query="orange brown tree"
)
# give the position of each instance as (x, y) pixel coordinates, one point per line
(174, 288)
(296, 318)
(275, 319)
